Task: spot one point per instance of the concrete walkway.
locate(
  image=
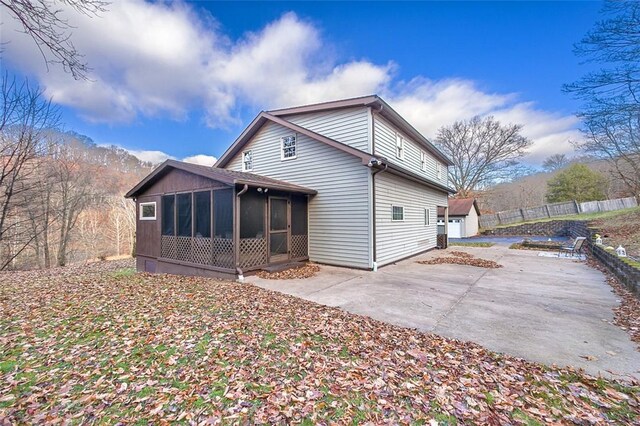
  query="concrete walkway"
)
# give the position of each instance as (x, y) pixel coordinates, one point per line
(543, 309)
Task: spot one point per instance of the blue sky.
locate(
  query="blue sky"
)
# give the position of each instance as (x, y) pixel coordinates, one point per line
(184, 79)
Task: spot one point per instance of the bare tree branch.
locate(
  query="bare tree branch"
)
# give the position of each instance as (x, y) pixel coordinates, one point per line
(483, 152)
(611, 107)
(44, 22)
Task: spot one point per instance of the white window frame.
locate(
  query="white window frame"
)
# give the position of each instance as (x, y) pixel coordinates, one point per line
(244, 162)
(394, 206)
(427, 217)
(423, 161)
(295, 147)
(155, 210)
(399, 146)
(439, 169)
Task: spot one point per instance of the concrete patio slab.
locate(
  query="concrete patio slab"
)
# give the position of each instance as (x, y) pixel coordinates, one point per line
(550, 310)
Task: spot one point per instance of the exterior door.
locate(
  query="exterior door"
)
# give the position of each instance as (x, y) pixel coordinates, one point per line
(279, 226)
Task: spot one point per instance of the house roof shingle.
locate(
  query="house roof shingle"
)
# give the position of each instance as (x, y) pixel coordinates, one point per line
(460, 207)
(228, 177)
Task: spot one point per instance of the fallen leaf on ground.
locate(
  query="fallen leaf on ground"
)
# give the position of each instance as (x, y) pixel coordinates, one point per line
(462, 258)
(93, 345)
(307, 271)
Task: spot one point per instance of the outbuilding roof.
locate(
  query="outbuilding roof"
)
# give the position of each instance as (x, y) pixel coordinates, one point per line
(228, 177)
(460, 207)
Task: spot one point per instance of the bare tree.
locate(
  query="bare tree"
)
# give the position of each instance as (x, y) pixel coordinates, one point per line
(25, 117)
(483, 152)
(74, 189)
(611, 96)
(122, 224)
(555, 162)
(44, 21)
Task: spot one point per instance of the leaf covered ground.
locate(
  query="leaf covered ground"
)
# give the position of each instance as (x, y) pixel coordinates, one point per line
(627, 313)
(461, 258)
(308, 270)
(101, 344)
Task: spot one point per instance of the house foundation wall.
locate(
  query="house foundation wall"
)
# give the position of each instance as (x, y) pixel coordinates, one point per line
(160, 266)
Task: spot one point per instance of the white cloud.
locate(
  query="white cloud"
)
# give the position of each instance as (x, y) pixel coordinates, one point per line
(154, 157)
(202, 159)
(163, 59)
(429, 105)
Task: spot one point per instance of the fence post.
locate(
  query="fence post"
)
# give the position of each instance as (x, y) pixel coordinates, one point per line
(546, 206)
(577, 206)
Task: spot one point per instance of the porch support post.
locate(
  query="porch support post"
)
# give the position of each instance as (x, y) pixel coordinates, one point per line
(236, 231)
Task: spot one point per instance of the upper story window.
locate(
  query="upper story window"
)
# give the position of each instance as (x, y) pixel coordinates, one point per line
(148, 211)
(247, 161)
(439, 170)
(399, 146)
(423, 161)
(288, 147)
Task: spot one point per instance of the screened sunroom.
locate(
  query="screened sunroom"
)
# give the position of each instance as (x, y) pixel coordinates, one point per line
(206, 221)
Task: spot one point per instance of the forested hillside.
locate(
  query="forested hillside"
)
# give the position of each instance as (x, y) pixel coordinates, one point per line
(66, 201)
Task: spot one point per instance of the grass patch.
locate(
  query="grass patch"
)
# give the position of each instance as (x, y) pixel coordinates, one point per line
(7, 366)
(124, 273)
(525, 418)
(582, 216)
(471, 244)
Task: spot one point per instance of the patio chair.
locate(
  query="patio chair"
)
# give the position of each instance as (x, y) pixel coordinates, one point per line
(574, 248)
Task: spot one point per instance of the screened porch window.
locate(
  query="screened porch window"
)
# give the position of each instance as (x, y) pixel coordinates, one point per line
(168, 214)
(202, 214)
(183, 209)
(223, 213)
(177, 214)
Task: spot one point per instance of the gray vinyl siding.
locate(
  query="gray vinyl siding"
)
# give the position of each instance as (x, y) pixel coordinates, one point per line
(385, 145)
(397, 240)
(349, 126)
(339, 217)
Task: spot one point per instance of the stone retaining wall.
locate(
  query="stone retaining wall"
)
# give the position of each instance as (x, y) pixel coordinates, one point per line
(552, 228)
(627, 274)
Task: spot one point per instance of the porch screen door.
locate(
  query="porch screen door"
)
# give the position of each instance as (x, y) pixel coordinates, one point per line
(278, 229)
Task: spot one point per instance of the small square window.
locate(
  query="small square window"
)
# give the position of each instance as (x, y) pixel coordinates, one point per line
(247, 161)
(423, 161)
(399, 146)
(427, 217)
(148, 211)
(288, 145)
(397, 213)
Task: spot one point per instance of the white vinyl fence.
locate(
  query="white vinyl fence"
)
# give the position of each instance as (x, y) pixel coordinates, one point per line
(547, 211)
